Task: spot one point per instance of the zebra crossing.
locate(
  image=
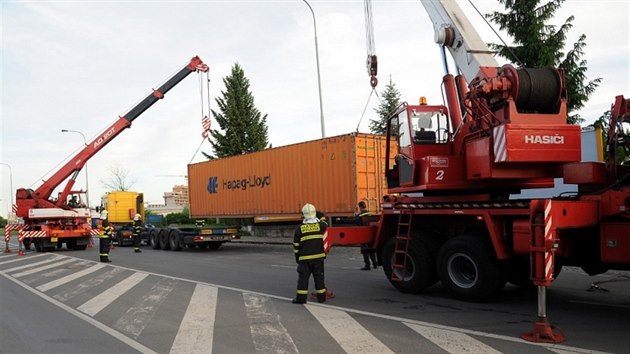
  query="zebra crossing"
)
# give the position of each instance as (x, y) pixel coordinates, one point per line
(162, 314)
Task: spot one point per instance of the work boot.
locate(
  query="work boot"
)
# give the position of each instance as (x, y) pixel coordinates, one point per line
(298, 301)
(367, 267)
(137, 250)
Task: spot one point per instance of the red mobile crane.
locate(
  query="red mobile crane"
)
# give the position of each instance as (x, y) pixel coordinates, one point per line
(449, 217)
(49, 222)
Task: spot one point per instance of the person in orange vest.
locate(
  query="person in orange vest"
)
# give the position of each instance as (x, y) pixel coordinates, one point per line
(308, 248)
(105, 236)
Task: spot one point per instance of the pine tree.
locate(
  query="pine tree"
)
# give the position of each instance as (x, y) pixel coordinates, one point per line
(243, 127)
(537, 44)
(390, 101)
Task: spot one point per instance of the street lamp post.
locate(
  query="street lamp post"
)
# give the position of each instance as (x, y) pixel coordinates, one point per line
(319, 82)
(10, 211)
(87, 188)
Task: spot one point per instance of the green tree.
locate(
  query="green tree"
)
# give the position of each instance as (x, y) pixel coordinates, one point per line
(182, 218)
(622, 152)
(538, 44)
(3, 222)
(243, 127)
(390, 101)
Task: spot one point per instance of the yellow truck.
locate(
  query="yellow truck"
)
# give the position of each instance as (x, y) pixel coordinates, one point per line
(122, 207)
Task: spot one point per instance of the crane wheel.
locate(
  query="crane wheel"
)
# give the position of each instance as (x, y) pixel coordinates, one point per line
(469, 268)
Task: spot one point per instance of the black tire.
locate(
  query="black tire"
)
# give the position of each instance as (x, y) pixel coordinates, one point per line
(173, 240)
(419, 273)
(71, 244)
(27, 243)
(163, 236)
(119, 238)
(38, 245)
(154, 239)
(214, 245)
(469, 268)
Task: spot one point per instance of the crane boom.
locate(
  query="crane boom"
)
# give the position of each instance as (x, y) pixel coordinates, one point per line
(454, 31)
(74, 165)
(49, 222)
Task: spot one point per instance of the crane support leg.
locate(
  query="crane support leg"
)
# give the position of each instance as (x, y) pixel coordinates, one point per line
(543, 245)
(543, 331)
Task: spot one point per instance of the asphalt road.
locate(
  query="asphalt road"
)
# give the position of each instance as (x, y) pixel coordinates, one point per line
(70, 307)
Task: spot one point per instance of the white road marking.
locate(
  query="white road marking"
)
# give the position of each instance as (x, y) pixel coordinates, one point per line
(21, 258)
(69, 278)
(452, 342)
(112, 332)
(350, 335)
(139, 315)
(196, 330)
(268, 333)
(99, 302)
(87, 284)
(53, 259)
(42, 268)
(143, 349)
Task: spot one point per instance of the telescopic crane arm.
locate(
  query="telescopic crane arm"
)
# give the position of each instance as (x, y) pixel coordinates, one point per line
(454, 32)
(40, 196)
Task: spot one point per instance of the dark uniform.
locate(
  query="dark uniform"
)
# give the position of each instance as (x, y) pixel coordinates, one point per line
(366, 250)
(308, 247)
(104, 241)
(137, 229)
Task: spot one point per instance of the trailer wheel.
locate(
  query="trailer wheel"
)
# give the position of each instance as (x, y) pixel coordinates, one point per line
(154, 239)
(468, 268)
(419, 273)
(163, 236)
(173, 240)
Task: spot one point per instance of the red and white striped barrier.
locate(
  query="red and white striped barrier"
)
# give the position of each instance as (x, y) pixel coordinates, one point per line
(7, 234)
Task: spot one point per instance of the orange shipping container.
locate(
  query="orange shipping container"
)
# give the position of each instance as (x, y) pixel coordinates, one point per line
(333, 174)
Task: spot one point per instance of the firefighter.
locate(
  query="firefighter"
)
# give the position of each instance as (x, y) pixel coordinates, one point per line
(366, 250)
(137, 229)
(308, 247)
(104, 236)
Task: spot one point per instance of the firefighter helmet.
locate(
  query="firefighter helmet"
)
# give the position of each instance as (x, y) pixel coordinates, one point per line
(309, 211)
(104, 214)
(137, 217)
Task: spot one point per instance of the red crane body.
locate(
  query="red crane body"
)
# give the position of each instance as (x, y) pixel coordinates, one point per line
(51, 221)
(453, 213)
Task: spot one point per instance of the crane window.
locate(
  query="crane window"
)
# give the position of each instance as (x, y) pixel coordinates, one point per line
(429, 127)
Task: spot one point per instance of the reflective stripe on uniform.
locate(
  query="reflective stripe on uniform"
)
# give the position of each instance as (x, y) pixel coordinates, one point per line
(312, 237)
(321, 291)
(312, 256)
(302, 292)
